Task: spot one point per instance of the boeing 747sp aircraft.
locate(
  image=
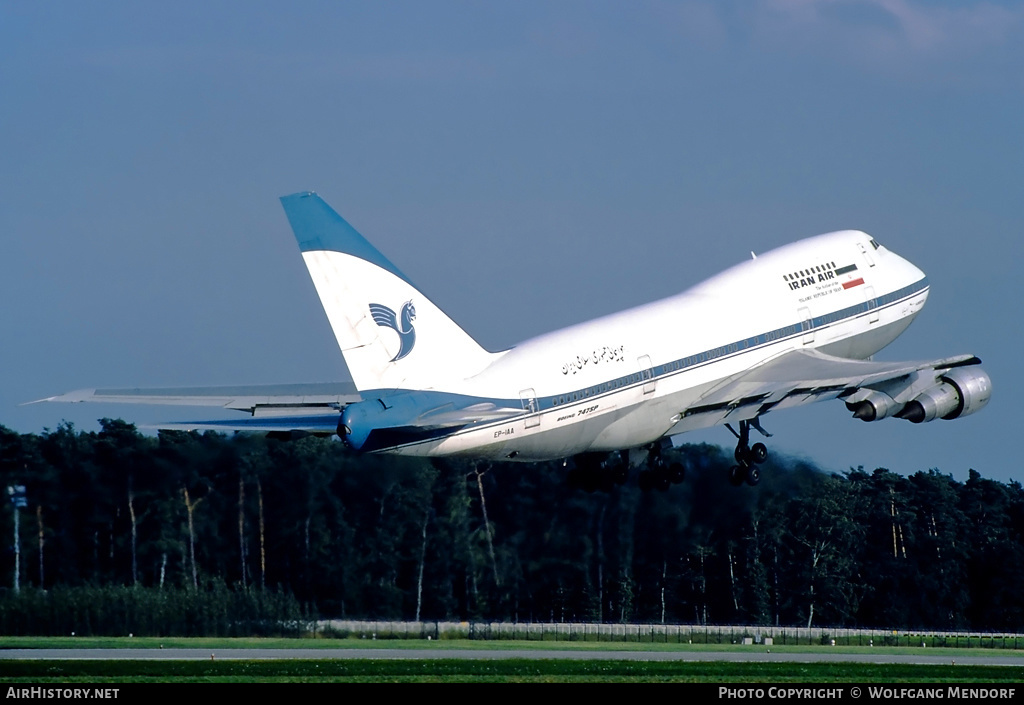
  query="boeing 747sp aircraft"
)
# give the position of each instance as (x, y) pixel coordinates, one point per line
(611, 393)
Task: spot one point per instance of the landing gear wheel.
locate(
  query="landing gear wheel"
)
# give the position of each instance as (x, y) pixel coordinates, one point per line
(753, 475)
(593, 472)
(747, 456)
(660, 474)
(620, 473)
(662, 481)
(737, 475)
(759, 453)
(646, 480)
(575, 478)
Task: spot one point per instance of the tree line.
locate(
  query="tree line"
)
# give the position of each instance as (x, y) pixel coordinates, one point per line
(309, 528)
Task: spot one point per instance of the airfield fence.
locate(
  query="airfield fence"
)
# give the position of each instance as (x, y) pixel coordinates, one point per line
(665, 633)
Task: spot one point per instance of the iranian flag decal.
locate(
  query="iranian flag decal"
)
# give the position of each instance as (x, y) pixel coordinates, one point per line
(846, 270)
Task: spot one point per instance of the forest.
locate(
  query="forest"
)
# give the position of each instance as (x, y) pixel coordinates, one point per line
(306, 527)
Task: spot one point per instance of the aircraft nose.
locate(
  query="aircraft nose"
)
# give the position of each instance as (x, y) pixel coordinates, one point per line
(913, 274)
(909, 273)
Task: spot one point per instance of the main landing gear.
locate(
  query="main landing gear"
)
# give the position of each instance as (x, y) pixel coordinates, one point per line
(593, 472)
(748, 457)
(660, 474)
(597, 471)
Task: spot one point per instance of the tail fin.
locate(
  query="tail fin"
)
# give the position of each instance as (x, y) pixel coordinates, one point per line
(390, 334)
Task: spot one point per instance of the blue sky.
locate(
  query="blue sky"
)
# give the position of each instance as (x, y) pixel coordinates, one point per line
(529, 165)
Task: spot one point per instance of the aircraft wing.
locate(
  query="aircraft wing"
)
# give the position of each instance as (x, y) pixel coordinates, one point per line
(272, 407)
(804, 376)
(313, 408)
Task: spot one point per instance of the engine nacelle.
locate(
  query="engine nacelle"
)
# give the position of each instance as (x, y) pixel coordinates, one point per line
(963, 391)
(874, 406)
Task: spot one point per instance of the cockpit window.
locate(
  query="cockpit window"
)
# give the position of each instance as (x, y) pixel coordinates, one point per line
(874, 244)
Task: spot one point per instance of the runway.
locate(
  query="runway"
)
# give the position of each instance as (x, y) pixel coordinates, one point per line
(759, 656)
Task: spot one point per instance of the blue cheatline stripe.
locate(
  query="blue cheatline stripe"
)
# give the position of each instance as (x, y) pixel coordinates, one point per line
(729, 349)
(666, 369)
(317, 226)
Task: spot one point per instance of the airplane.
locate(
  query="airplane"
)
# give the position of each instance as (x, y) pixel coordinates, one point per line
(610, 394)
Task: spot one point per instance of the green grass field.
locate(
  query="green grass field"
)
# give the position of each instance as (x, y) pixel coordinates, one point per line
(505, 670)
(215, 643)
(470, 670)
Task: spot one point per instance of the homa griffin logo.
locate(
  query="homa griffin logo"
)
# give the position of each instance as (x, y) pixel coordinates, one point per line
(386, 318)
(821, 274)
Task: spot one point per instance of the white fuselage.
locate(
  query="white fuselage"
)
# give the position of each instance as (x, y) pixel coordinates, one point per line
(627, 379)
(790, 327)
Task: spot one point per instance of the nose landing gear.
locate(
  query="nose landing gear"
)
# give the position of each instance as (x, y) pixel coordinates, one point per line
(747, 456)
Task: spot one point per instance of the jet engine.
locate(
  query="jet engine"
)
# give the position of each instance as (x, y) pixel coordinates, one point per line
(963, 391)
(874, 406)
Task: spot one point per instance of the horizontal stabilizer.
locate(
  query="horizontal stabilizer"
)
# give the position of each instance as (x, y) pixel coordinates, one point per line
(254, 399)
